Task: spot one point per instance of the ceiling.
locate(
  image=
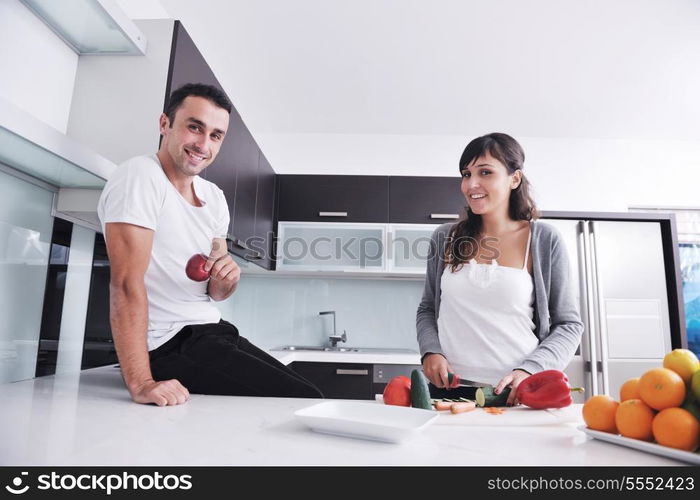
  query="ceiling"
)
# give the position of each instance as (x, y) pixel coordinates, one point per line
(311, 77)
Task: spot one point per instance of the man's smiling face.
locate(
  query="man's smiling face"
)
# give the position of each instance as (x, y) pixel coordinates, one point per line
(195, 136)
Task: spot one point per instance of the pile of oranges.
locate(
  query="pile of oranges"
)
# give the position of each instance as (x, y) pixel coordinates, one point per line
(663, 405)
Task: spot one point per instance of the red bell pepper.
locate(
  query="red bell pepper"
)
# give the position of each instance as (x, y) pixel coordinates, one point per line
(547, 389)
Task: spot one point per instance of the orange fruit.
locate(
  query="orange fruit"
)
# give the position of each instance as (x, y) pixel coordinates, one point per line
(633, 419)
(683, 362)
(661, 388)
(677, 428)
(630, 389)
(599, 413)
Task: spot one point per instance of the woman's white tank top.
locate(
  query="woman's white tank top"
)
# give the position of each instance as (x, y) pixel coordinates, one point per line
(485, 322)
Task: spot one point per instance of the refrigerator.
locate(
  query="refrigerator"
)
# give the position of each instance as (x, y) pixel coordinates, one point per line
(626, 277)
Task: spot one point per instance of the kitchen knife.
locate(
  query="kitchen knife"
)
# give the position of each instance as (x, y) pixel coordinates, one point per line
(456, 381)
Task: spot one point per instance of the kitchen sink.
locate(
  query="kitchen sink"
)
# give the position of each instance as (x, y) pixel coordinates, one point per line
(317, 348)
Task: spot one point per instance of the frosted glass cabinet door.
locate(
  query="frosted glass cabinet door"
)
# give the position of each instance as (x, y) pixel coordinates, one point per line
(25, 239)
(408, 247)
(318, 246)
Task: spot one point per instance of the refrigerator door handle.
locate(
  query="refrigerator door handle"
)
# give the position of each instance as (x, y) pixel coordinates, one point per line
(599, 306)
(587, 315)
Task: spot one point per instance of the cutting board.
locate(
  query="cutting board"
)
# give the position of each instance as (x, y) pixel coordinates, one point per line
(512, 416)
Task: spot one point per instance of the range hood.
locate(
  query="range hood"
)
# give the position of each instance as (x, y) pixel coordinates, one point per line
(30, 146)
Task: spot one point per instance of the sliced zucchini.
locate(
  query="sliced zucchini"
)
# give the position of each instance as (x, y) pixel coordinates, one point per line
(486, 397)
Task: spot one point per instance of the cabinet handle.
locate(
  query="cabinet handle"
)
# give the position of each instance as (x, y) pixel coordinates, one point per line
(235, 242)
(444, 216)
(342, 371)
(332, 214)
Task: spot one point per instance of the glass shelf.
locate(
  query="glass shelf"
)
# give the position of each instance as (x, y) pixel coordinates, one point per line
(31, 146)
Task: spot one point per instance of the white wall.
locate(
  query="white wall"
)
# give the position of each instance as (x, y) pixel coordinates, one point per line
(625, 69)
(143, 9)
(38, 67)
(567, 173)
(603, 95)
(117, 100)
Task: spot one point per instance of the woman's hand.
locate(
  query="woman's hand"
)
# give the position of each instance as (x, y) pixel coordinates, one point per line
(436, 368)
(513, 379)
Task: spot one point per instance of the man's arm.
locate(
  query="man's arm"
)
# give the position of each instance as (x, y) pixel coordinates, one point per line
(225, 273)
(129, 250)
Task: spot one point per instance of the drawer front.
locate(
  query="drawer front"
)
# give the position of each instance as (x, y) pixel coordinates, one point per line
(338, 380)
(425, 200)
(333, 198)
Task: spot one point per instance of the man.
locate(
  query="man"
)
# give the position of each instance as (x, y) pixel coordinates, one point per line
(156, 212)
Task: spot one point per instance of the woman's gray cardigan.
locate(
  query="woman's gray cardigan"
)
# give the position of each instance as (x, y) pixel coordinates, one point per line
(557, 321)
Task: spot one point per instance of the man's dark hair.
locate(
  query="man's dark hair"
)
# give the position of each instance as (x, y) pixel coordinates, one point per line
(213, 94)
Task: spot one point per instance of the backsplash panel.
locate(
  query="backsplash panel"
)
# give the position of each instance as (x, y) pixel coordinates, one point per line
(279, 311)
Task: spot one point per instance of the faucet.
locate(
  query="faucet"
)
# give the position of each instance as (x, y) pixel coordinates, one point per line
(335, 338)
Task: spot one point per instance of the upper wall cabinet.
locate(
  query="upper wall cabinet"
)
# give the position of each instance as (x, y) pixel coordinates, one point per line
(262, 247)
(425, 200)
(333, 198)
(115, 110)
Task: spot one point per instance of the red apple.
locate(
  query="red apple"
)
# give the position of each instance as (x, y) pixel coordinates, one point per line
(195, 267)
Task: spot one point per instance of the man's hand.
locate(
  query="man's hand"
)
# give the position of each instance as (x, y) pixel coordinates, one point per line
(165, 393)
(224, 272)
(436, 368)
(223, 269)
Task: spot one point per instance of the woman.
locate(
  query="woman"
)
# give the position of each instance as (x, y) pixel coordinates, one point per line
(497, 305)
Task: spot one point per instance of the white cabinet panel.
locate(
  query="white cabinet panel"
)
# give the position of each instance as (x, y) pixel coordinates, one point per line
(635, 329)
(25, 240)
(620, 370)
(317, 246)
(408, 247)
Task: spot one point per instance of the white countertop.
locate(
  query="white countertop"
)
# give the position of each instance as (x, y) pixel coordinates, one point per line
(389, 358)
(87, 418)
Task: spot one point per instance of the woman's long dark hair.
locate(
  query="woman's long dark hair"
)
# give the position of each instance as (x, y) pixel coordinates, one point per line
(461, 243)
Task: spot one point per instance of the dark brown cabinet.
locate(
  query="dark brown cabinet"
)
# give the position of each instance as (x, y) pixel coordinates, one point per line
(238, 166)
(245, 163)
(333, 198)
(262, 244)
(425, 200)
(338, 380)
(362, 198)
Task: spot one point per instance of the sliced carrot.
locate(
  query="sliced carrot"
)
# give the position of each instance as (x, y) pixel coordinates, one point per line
(462, 407)
(443, 405)
(493, 410)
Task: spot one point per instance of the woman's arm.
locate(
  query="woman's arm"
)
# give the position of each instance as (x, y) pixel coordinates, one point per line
(426, 316)
(558, 348)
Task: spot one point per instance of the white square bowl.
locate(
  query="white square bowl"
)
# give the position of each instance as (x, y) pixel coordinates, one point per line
(366, 420)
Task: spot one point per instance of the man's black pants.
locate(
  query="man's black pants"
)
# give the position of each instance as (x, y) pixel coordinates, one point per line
(214, 359)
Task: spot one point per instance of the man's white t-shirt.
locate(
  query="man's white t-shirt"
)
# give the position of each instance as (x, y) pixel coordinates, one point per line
(139, 193)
